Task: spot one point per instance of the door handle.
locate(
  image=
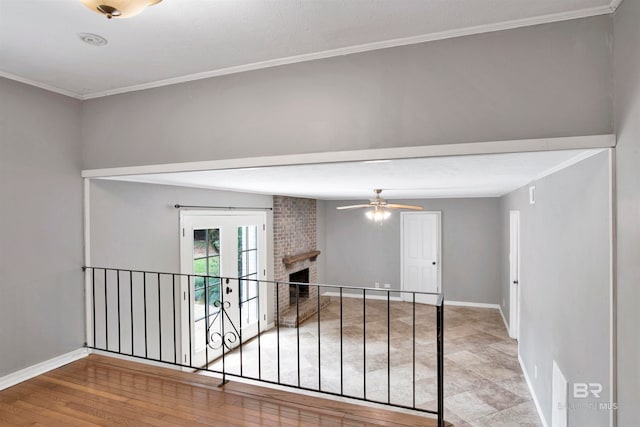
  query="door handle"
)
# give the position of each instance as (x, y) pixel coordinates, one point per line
(228, 290)
(515, 282)
(433, 263)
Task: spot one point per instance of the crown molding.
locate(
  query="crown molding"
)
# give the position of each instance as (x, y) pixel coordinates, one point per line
(385, 44)
(40, 85)
(614, 5)
(442, 35)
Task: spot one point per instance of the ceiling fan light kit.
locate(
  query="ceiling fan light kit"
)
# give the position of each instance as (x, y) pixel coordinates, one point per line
(118, 8)
(380, 208)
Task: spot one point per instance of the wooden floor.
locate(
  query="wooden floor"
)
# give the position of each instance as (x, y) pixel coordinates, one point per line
(103, 391)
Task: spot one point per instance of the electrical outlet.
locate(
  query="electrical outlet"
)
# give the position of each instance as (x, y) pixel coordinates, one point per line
(387, 285)
(377, 285)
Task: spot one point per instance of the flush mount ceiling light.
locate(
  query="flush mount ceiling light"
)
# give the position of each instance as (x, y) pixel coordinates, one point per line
(118, 8)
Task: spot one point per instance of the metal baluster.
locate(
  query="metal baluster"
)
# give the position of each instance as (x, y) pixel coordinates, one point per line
(207, 334)
(144, 298)
(190, 323)
(364, 344)
(240, 315)
(440, 331)
(159, 321)
(119, 332)
(106, 312)
(389, 347)
(298, 327)
(131, 306)
(413, 383)
(278, 325)
(341, 352)
(224, 370)
(175, 342)
(93, 294)
(259, 331)
(319, 358)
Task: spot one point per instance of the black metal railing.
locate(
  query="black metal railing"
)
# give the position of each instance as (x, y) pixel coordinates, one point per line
(389, 334)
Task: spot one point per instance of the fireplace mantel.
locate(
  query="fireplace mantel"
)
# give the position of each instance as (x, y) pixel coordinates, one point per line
(292, 259)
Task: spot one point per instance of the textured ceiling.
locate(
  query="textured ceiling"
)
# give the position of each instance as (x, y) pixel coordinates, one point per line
(460, 176)
(178, 40)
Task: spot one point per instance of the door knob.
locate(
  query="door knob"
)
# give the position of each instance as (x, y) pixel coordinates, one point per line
(515, 282)
(433, 263)
(228, 290)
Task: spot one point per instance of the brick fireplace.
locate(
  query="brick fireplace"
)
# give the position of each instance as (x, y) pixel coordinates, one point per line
(294, 247)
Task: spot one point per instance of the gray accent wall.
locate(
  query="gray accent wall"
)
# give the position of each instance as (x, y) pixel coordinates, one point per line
(548, 80)
(361, 252)
(565, 282)
(41, 280)
(627, 111)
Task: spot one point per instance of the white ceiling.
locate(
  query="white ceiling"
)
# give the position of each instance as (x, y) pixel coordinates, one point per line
(179, 40)
(461, 176)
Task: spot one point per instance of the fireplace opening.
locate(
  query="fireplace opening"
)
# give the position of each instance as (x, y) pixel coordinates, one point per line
(301, 276)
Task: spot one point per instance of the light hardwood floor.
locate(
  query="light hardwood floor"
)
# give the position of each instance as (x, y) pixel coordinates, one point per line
(104, 391)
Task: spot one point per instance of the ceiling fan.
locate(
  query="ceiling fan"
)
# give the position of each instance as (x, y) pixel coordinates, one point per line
(379, 207)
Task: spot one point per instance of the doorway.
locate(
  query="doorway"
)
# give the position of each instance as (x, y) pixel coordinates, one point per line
(221, 305)
(514, 274)
(421, 249)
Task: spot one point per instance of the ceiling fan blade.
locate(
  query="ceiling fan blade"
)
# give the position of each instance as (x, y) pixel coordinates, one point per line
(396, 206)
(353, 207)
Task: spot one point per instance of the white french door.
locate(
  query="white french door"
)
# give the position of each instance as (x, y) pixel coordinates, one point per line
(226, 254)
(420, 254)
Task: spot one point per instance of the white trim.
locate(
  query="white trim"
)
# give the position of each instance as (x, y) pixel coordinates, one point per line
(533, 394)
(504, 319)
(614, 5)
(366, 47)
(436, 150)
(40, 85)
(472, 304)
(42, 367)
(570, 162)
(87, 260)
(613, 292)
(359, 295)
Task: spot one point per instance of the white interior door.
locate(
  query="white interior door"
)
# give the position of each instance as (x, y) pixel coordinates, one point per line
(514, 274)
(226, 253)
(421, 269)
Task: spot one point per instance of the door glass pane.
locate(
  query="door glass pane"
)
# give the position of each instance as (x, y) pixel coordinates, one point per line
(206, 290)
(248, 270)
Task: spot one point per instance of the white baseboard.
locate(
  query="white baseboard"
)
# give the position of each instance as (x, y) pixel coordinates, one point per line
(472, 304)
(41, 368)
(359, 295)
(504, 319)
(533, 394)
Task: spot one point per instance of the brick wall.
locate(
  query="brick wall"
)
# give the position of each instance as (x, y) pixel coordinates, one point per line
(294, 232)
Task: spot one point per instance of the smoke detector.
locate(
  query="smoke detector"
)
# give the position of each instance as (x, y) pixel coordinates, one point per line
(93, 39)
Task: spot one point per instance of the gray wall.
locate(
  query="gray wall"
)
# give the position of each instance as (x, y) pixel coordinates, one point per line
(360, 252)
(565, 282)
(627, 109)
(41, 281)
(136, 226)
(542, 81)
